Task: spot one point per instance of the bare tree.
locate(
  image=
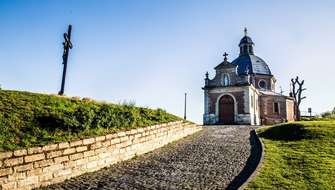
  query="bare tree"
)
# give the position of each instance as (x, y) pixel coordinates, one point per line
(297, 89)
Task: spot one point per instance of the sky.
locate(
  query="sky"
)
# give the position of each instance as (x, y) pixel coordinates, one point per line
(153, 51)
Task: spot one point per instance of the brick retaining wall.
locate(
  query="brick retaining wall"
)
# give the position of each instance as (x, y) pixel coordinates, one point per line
(42, 166)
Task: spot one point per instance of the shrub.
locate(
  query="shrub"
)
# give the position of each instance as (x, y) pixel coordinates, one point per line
(329, 115)
(288, 132)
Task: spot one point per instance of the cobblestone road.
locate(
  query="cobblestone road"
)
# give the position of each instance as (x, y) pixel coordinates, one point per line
(214, 158)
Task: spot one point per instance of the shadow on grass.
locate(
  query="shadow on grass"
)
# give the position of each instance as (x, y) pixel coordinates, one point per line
(291, 132)
(251, 165)
(285, 132)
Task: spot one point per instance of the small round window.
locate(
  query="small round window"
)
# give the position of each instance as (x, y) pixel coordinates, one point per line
(262, 84)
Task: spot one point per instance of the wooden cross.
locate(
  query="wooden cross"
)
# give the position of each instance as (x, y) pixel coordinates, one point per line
(67, 44)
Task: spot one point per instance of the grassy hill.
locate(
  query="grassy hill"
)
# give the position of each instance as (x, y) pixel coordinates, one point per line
(30, 119)
(298, 155)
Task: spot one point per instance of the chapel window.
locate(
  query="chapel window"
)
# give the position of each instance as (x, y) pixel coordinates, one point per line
(250, 50)
(262, 84)
(276, 107)
(245, 49)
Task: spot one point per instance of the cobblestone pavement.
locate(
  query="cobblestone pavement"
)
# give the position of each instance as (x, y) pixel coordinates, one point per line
(210, 159)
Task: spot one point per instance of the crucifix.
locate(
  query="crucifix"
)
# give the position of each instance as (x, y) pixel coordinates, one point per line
(67, 44)
(225, 56)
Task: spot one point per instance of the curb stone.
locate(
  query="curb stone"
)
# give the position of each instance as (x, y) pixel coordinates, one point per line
(259, 165)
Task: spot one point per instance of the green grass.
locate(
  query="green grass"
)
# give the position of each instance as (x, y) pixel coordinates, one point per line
(299, 155)
(30, 119)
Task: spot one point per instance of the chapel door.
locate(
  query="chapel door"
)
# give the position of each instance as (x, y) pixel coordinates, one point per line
(226, 110)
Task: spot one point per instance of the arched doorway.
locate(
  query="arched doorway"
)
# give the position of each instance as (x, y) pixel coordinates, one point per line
(226, 110)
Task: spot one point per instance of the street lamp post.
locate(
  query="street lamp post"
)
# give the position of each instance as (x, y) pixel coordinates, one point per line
(185, 106)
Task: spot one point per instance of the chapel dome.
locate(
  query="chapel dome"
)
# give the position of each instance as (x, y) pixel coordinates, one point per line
(251, 64)
(247, 62)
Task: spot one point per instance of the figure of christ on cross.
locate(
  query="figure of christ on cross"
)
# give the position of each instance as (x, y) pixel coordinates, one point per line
(67, 44)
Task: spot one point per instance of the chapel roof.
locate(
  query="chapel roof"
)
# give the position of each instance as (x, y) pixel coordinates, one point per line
(272, 93)
(251, 64)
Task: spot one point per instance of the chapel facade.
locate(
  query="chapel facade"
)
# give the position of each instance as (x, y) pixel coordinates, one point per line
(243, 92)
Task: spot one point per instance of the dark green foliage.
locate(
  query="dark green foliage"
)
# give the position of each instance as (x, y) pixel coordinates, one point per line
(287, 132)
(29, 119)
(328, 115)
(291, 132)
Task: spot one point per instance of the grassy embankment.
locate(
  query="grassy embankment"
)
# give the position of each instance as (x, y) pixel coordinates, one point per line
(30, 119)
(299, 155)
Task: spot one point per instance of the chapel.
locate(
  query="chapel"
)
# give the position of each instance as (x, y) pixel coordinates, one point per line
(243, 92)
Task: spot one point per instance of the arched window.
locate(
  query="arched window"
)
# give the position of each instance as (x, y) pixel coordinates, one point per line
(245, 49)
(225, 80)
(250, 50)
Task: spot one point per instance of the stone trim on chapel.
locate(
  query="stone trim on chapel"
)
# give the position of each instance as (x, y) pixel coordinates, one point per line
(243, 92)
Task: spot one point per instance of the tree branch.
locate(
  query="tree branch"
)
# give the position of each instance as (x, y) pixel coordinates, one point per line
(297, 89)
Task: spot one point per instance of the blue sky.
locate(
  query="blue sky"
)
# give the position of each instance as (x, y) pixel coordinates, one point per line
(152, 51)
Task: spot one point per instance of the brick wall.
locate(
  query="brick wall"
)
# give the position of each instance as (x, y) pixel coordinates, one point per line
(41, 166)
(267, 79)
(268, 116)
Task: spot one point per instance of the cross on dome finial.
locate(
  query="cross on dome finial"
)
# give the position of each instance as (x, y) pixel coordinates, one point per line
(225, 56)
(245, 31)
